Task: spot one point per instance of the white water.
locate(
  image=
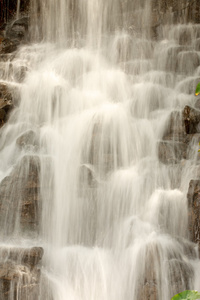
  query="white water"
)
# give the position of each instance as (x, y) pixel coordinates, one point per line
(98, 94)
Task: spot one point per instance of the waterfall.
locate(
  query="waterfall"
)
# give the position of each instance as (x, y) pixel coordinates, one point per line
(82, 169)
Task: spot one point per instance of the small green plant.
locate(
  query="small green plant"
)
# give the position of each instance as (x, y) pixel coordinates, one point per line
(187, 295)
(197, 92)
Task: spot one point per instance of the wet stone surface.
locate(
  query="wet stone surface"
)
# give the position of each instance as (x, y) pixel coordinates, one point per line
(20, 197)
(20, 273)
(194, 211)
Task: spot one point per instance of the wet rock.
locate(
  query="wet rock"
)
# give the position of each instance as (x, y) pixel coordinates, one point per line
(18, 30)
(27, 256)
(191, 118)
(8, 45)
(184, 35)
(20, 199)
(5, 57)
(187, 62)
(189, 248)
(5, 93)
(28, 140)
(175, 127)
(19, 73)
(176, 11)
(6, 103)
(197, 44)
(170, 152)
(181, 276)
(194, 211)
(18, 282)
(148, 291)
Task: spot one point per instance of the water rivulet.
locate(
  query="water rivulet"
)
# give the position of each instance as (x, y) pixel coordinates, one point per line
(95, 163)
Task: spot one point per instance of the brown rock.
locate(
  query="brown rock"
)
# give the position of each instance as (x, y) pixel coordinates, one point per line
(191, 118)
(20, 197)
(8, 46)
(18, 282)
(180, 276)
(194, 211)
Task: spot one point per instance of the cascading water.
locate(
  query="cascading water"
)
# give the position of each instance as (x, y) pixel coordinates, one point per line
(95, 102)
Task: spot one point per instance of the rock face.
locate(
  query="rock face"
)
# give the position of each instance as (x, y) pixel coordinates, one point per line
(178, 11)
(20, 273)
(20, 198)
(8, 9)
(173, 148)
(191, 118)
(6, 103)
(16, 33)
(194, 211)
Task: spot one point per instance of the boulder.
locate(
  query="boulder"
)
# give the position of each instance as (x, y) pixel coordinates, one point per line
(18, 281)
(191, 118)
(193, 197)
(20, 199)
(18, 30)
(8, 45)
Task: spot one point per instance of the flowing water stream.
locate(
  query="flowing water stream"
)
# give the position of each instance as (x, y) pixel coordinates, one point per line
(97, 97)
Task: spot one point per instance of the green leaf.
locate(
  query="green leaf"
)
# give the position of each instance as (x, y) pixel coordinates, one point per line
(197, 92)
(187, 295)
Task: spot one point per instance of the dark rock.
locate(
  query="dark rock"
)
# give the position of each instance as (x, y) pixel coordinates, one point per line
(8, 45)
(194, 211)
(20, 197)
(27, 140)
(5, 93)
(6, 103)
(2, 116)
(191, 118)
(18, 30)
